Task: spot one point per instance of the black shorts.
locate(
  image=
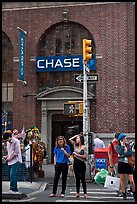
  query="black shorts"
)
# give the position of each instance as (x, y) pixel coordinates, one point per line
(124, 168)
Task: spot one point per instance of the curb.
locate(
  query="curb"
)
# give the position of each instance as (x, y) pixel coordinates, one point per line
(42, 188)
(6, 195)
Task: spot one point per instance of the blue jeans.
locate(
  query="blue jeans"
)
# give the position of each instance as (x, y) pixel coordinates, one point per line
(13, 179)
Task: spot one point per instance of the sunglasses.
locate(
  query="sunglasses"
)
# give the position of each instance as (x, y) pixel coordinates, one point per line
(60, 138)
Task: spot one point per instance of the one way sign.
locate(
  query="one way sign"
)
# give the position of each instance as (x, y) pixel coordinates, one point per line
(90, 78)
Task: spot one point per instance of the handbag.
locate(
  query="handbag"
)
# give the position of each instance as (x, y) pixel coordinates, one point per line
(131, 160)
(70, 161)
(41, 174)
(112, 183)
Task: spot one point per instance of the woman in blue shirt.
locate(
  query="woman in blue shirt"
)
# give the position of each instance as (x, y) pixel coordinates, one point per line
(61, 154)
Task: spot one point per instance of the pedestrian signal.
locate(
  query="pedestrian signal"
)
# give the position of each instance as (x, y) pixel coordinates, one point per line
(69, 109)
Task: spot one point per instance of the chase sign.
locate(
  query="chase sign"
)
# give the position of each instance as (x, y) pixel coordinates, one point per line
(61, 63)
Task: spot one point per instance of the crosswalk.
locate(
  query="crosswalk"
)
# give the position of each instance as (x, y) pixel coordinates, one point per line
(94, 195)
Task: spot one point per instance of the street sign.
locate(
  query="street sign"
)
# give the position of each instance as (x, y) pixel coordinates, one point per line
(90, 78)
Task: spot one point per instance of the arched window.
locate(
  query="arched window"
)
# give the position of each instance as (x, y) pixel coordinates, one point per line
(61, 39)
(7, 59)
(7, 79)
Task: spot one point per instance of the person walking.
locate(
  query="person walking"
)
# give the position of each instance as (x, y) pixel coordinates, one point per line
(13, 158)
(124, 150)
(113, 159)
(113, 155)
(80, 156)
(61, 154)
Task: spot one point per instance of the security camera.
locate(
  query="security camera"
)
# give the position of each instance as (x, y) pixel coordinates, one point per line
(24, 83)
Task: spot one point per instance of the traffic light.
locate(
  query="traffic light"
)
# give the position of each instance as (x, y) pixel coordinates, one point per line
(69, 109)
(87, 50)
(81, 108)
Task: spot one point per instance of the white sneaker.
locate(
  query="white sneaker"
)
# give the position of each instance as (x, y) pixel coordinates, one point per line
(17, 192)
(10, 191)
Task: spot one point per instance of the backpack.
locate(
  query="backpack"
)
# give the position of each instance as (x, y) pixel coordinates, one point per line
(111, 143)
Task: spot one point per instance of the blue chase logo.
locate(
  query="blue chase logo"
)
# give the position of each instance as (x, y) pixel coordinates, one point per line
(62, 63)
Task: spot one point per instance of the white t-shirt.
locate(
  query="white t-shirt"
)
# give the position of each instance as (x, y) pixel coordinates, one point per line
(98, 143)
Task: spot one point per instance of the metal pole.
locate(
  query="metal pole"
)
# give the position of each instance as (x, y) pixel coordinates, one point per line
(85, 106)
(85, 120)
(31, 166)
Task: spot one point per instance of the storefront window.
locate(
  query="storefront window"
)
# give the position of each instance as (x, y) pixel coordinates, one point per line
(7, 59)
(63, 39)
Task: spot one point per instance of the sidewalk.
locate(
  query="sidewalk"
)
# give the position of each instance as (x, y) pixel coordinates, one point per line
(27, 189)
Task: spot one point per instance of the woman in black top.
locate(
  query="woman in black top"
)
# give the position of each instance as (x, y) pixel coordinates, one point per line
(80, 155)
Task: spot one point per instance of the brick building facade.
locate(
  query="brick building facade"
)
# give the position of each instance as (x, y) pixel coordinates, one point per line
(112, 103)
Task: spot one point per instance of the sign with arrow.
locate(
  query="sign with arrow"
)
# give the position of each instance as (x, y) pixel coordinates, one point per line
(90, 78)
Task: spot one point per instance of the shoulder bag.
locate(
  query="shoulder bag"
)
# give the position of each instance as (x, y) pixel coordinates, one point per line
(112, 183)
(131, 160)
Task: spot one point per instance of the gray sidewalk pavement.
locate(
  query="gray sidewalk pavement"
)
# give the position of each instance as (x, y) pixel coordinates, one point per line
(27, 188)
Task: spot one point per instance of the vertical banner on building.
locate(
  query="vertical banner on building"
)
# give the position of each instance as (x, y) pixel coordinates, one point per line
(22, 55)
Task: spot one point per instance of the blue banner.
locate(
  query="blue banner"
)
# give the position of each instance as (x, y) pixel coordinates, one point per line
(22, 55)
(92, 63)
(62, 63)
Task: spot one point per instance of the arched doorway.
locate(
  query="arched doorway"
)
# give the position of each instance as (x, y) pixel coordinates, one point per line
(66, 126)
(53, 122)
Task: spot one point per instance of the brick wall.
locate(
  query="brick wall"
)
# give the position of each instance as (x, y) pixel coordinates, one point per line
(113, 28)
